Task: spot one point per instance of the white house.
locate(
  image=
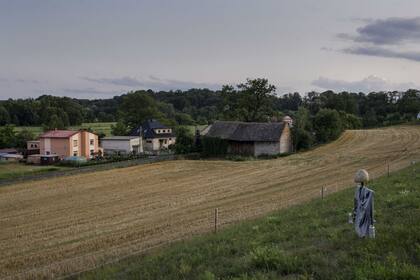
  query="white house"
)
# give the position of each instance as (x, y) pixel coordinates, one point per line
(122, 145)
(156, 136)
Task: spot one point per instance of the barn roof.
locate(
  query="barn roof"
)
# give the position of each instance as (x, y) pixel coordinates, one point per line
(241, 131)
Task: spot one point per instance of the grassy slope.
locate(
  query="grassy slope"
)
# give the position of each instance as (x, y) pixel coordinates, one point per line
(304, 242)
(15, 170)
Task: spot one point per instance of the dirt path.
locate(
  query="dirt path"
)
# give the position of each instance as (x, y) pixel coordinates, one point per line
(64, 225)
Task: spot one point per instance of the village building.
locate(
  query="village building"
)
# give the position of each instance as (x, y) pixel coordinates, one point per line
(253, 139)
(122, 145)
(66, 143)
(156, 136)
(32, 147)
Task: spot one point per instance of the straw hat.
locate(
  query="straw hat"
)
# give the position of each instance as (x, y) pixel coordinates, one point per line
(362, 176)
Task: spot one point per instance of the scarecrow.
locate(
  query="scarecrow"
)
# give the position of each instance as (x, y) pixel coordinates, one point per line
(363, 206)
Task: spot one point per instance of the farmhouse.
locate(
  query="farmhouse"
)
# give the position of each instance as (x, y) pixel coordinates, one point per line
(122, 145)
(253, 139)
(156, 136)
(65, 143)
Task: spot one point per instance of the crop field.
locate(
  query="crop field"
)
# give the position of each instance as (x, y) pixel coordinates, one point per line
(66, 225)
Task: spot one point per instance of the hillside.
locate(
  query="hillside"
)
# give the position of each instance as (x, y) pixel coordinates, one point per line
(70, 224)
(311, 241)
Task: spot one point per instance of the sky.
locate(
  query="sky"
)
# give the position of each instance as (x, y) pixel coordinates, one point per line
(102, 48)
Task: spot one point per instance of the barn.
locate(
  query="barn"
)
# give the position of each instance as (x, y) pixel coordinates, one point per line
(253, 139)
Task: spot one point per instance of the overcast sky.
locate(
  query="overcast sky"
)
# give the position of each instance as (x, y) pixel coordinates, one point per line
(101, 48)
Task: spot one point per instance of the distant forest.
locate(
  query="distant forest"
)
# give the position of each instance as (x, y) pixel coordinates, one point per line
(254, 100)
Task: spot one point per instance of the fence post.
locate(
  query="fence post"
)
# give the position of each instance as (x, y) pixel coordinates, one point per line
(388, 168)
(322, 192)
(216, 219)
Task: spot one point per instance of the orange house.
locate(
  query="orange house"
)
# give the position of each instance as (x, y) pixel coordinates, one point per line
(65, 143)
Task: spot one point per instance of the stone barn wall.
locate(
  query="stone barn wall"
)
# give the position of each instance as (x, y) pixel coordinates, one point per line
(266, 148)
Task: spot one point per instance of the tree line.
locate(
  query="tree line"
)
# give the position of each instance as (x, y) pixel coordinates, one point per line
(319, 116)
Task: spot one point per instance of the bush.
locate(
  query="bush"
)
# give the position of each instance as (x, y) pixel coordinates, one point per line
(327, 125)
(184, 141)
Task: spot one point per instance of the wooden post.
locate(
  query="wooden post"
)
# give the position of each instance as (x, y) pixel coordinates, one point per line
(216, 219)
(388, 168)
(322, 193)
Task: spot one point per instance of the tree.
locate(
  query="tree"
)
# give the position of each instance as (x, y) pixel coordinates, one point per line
(7, 137)
(184, 141)
(350, 121)
(254, 99)
(327, 125)
(4, 116)
(119, 129)
(22, 137)
(137, 107)
(302, 130)
(54, 123)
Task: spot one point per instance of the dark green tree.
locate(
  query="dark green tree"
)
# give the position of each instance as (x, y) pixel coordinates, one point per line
(4, 116)
(327, 125)
(119, 129)
(7, 137)
(184, 141)
(137, 107)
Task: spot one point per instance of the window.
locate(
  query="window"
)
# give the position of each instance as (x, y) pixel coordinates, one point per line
(92, 142)
(32, 145)
(74, 143)
(170, 139)
(92, 152)
(148, 141)
(165, 141)
(48, 152)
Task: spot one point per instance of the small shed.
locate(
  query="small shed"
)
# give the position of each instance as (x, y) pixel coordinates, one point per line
(253, 139)
(122, 145)
(10, 157)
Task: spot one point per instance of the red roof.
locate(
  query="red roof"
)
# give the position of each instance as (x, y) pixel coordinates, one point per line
(58, 134)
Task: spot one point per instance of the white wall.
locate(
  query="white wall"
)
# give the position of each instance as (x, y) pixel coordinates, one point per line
(125, 146)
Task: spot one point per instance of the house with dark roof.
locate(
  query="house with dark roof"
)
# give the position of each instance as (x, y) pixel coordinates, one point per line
(156, 136)
(253, 139)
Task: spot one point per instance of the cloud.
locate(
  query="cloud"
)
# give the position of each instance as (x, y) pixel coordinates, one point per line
(390, 31)
(381, 37)
(25, 81)
(88, 91)
(368, 84)
(382, 52)
(124, 81)
(152, 82)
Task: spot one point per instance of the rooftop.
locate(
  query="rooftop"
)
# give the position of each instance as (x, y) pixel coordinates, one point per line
(58, 134)
(242, 131)
(120, 138)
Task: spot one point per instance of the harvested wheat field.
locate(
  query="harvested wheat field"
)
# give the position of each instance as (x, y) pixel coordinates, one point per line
(65, 225)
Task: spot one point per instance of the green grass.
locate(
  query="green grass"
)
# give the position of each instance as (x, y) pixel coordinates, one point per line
(100, 127)
(16, 170)
(311, 241)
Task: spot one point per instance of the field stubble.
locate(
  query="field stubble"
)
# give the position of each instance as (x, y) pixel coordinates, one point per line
(65, 225)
